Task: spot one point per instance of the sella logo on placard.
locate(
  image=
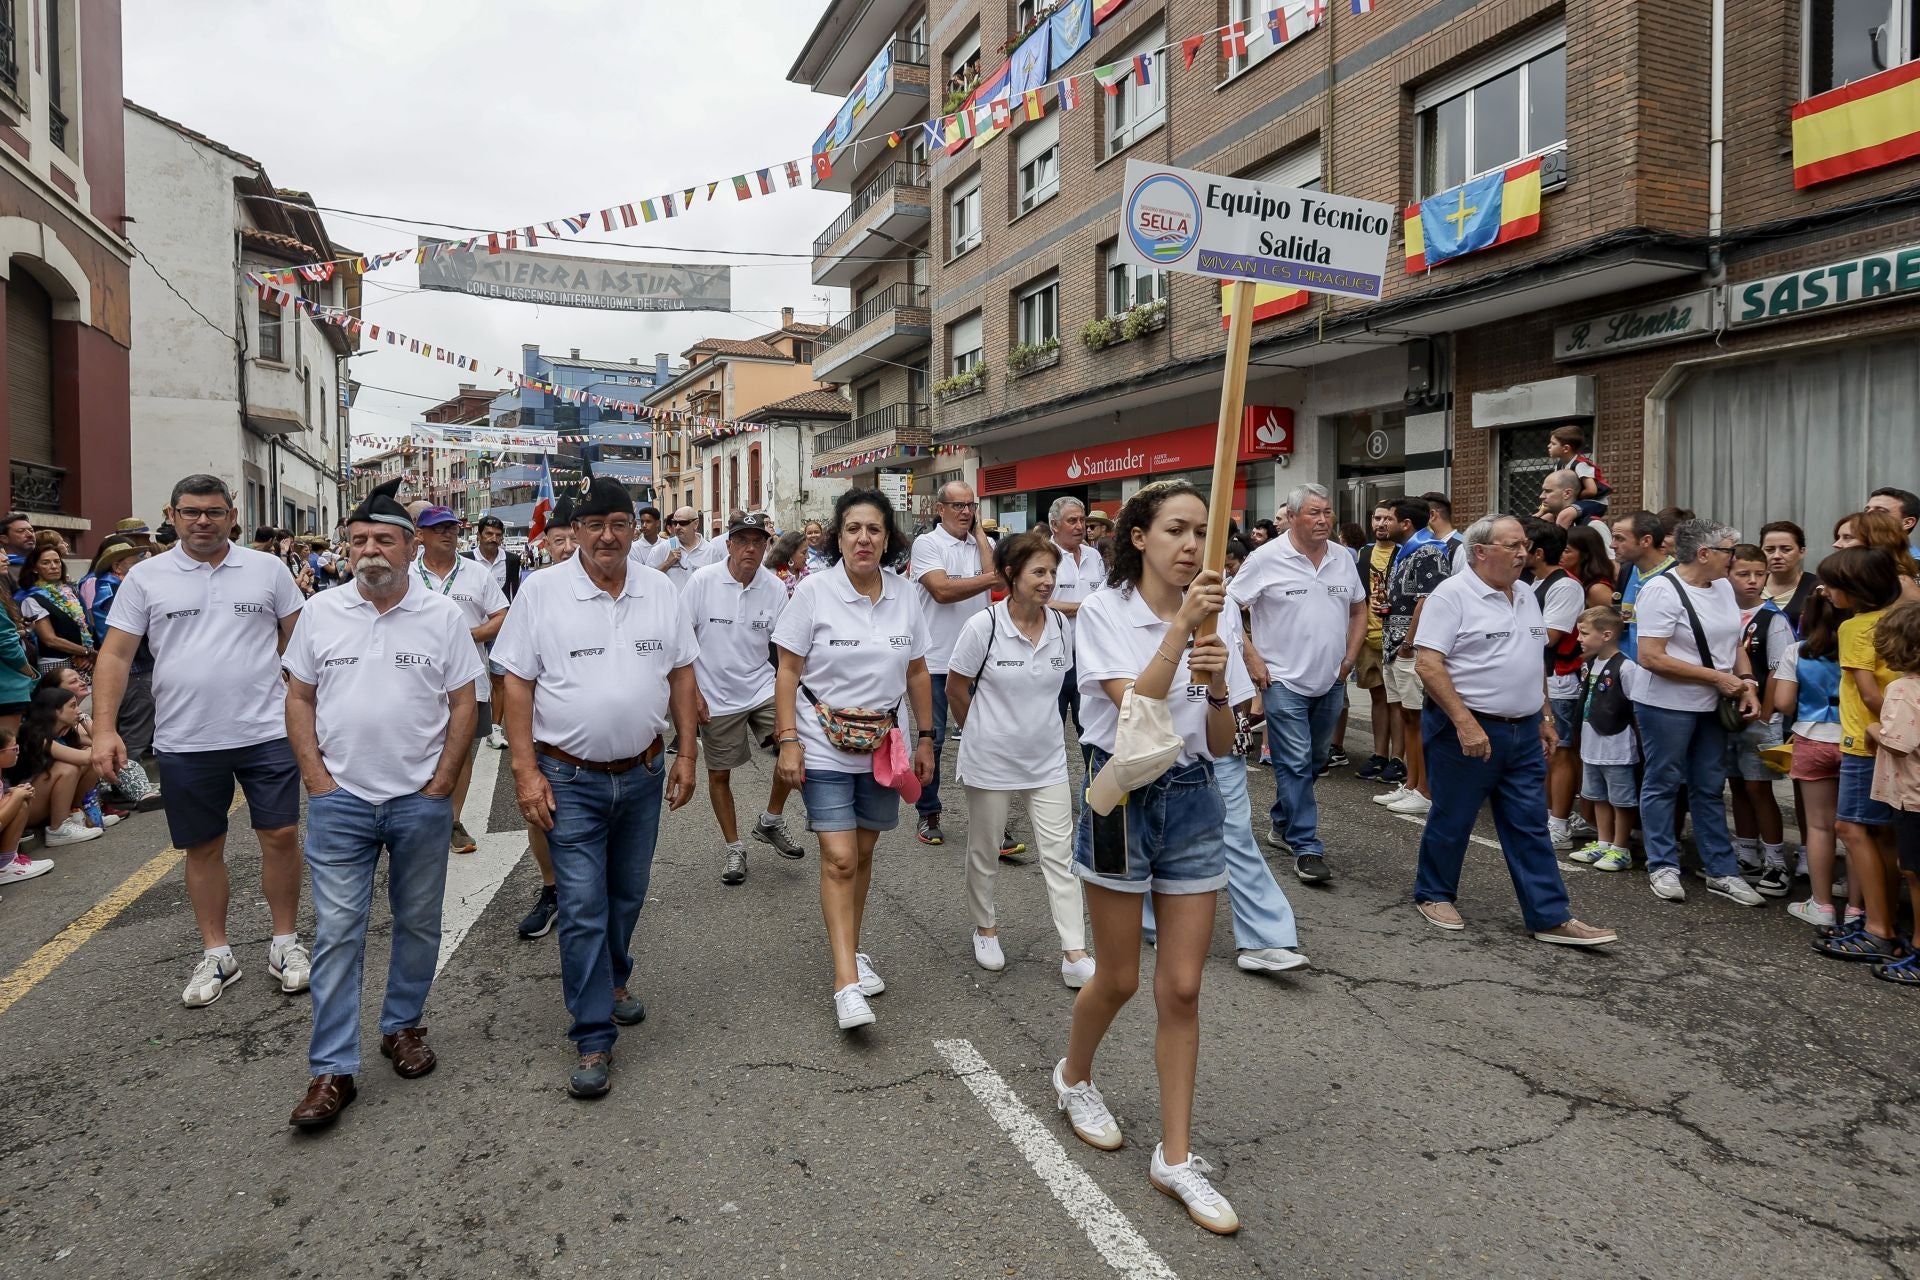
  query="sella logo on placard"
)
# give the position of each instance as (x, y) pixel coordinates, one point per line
(1163, 218)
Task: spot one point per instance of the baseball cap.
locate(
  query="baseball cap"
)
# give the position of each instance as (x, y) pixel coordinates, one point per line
(1144, 746)
(751, 522)
(437, 515)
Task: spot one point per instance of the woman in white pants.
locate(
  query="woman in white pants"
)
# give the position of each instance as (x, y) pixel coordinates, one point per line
(1003, 687)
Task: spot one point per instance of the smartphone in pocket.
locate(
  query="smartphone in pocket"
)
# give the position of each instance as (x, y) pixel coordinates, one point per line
(1110, 841)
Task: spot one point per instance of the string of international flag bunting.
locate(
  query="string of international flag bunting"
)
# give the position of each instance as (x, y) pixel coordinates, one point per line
(989, 110)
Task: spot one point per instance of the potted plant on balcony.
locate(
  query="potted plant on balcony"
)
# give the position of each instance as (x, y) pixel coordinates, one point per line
(1033, 355)
(1144, 318)
(1101, 332)
(961, 384)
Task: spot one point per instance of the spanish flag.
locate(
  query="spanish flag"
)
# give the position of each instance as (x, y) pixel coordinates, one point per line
(1859, 126)
(1489, 211)
(1269, 300)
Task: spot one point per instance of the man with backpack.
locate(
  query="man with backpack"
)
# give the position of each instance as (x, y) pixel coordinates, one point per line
(1561, 600)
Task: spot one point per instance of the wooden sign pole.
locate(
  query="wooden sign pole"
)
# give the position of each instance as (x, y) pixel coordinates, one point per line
(1226, 450)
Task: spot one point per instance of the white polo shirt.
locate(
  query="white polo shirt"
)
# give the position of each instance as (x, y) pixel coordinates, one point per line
(1115, 640)
(1659, 614)
(496, 567)
(1078, 577)
(599, 665)
(702, 553)
(1300, 611)
(857, 652)
(732, 626)
(1492, 644)
(215, 635)
(958, 558)
(1014, 741)
(478, 596)
(381, 682)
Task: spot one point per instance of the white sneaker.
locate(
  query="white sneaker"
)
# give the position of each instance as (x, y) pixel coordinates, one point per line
(986, 954)
(1562, 839)
(1271, 959)
(21, 867)
(870, 982)
(1087, 1111)
(1188, 1184)
(1665, 883)
(110, 820)
(1076, 973)
(292, 968)
(1734, 889)
(211, 976)
(851, 1009)
(72, 831)
(497, 738)
(1388, 797)
(1811, 912)
(1411, 803)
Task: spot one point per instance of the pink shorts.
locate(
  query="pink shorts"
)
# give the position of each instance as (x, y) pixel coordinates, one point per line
(1814, 761)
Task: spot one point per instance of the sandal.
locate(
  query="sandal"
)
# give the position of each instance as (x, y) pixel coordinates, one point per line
(1861, 946)
(1902, 973)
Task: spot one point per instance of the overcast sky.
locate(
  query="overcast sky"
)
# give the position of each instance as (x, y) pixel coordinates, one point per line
(491, 114)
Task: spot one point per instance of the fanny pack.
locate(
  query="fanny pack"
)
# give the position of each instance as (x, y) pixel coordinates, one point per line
(855, 730)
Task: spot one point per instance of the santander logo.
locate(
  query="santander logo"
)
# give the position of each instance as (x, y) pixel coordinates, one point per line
(1270, 432)
(1267, 429)
(1074, 471)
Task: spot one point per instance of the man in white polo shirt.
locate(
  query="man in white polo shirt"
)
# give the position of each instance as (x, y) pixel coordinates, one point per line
(380, 712)
(215, 617)
(1082, 572)
(731, 608)
(599, 663)
(953, 565)
(442, 569)
(1487, 735)
(683, 549)
(1309, 613)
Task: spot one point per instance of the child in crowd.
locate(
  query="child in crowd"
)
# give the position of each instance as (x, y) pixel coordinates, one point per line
(1610, 682)
(1567, 446)
(15, 866)
(1896, 769)
(1759, 834)
(1806, 687)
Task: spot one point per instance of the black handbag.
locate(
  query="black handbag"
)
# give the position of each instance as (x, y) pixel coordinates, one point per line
(1726, 706)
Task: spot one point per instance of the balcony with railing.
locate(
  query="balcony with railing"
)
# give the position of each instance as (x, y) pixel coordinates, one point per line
(36, 486)
(891, 95)
(884, 327)
(888, 428)
(894, 205)
(9, 52)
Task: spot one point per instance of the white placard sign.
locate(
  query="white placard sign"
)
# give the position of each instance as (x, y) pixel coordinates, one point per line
(1238, 229)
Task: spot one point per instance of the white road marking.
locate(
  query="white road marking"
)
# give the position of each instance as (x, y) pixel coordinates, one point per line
(474, 878)
(1124, 1248)
(1421, 822)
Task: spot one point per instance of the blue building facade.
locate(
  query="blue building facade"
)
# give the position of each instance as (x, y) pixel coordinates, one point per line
(515, 485)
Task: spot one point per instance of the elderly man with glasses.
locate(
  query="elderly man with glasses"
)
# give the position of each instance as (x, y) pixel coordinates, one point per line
(683, 549)
(953, 565)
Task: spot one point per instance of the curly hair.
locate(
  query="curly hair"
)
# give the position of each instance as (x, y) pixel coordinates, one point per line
(1138, 512)
(1896, 637)
(896, 548)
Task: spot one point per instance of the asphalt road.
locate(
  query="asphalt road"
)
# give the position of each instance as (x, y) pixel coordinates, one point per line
(1708, 1098)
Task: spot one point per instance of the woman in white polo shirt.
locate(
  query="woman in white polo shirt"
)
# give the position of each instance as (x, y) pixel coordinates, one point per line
(851, 639)
(1004, 680)
(1166, 836)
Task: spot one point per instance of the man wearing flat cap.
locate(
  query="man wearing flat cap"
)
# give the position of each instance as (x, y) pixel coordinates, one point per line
(599, 665)
(380, 712)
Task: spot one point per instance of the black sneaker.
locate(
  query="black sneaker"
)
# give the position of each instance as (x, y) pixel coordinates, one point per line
(1338, 759)
(776, 835)
(929, 830)
(1395, 773)
(539, 921)
(1372, 769)
(736, 869)
(590, 1076)
(1772, 882)
(1312, 868)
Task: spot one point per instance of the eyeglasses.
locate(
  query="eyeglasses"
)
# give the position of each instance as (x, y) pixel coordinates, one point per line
(960, 506)
(676, 524)
(1512, 546)
(1726, 551)
(194, 515)
(594, 528)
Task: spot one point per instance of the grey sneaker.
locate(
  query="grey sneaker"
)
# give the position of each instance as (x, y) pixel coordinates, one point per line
(776, 835)
(736, 870)
(628, 1011)
(590, 1075)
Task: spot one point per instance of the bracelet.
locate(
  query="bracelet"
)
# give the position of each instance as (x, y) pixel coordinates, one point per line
(791, 737)
(1162, 655)
(1217, 703)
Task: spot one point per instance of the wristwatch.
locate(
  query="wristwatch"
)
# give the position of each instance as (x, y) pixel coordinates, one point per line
(926, 733)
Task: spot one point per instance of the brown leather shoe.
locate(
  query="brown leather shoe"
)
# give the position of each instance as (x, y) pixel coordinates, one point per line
(408, 1049)
(327, 1097)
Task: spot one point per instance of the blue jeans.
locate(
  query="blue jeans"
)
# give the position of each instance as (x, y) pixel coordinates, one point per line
(344, 837)
(1514, 779)
(929, 802)
(1262, 916)
(1684, 751)
(1299, 737)
(604, 828)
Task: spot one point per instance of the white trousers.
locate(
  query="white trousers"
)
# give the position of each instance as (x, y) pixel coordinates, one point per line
(1051, 810)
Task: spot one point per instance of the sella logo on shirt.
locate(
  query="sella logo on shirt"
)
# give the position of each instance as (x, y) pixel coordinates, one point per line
(249, 606)
(900, 642)
(412, 660)
(647, 646)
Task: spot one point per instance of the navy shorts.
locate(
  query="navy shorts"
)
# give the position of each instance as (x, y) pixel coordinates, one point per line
(1175, 841)
(846, 801)
(198, 789)
(1857, 804)
(1592, 508)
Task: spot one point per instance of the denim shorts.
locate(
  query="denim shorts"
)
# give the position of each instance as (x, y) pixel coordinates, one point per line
(1175, 834)
(198, 789)
(1614, 784)
(1566, 721)
(1744, 748)
(1856, 794)
(846, 801)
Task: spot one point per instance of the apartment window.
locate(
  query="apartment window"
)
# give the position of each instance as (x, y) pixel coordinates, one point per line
(1040, 311)
(803, 351)
(1138, 109)
(1299, 168)
(916, 41)
(1500, 110)
(963, 64)
(917, 149)
(1260, 45)
(271, 326)
(1129, 286)
(963, 215)
(1848, 40)
(733, 482)
(63, 31)
(753, 477)
(1037, 153)
(964, 339)
(9, 48)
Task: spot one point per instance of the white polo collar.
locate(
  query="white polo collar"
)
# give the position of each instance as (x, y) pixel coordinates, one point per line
(185, 563)
(411, 601)
(584, 587)
(1139, 612)
(890, 584)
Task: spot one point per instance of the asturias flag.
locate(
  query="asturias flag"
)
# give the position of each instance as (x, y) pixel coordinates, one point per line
(1859, 126)
(1488, 211)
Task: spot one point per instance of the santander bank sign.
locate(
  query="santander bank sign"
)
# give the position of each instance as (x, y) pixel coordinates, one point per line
(1266, 430)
